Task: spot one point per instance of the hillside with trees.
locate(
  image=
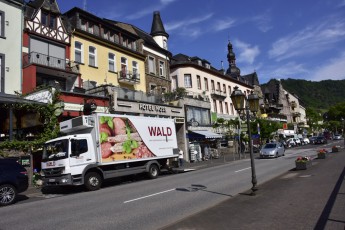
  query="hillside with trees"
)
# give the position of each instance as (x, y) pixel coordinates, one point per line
(319, 95)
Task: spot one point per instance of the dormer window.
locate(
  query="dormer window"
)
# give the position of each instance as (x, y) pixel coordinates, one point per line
(48, 20)
(199, 62)
(207, 65)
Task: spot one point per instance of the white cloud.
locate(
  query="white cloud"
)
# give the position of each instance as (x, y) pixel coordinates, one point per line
(185, 23)
(247, 53)
(334, 70)
(223, 24)
(312, 40)
(342, 3)
(288, 70)
(263, 21)
(150, 9)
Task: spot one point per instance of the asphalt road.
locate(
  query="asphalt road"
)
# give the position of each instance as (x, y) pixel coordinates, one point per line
(146, 204)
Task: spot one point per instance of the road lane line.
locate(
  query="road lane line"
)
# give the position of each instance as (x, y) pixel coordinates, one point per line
(242, 170)
(143, 197)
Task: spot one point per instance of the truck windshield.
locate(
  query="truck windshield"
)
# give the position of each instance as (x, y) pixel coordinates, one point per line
(55, 150)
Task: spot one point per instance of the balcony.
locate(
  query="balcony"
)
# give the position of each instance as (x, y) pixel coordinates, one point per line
(277, 117)
(128, 77)
(50, 61)
(218, 93)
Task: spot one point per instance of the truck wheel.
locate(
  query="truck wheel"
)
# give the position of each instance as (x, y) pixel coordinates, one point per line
(8, 194)
(153, 171)
(93, 181)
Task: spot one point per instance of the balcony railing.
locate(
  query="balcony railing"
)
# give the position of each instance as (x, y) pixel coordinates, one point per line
(296, 114)
(218, 93)
(46, 60)
(277, 117)
(129, 77)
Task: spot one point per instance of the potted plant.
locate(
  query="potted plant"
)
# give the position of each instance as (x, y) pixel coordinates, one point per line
(321, 154)
(303, 163)
(335, 149)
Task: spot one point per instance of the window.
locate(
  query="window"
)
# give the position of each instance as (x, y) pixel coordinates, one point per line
(92, 56)
(2, 24)
(212, 85)
(117, 38)
(105, 34)
(78, 52)
(165, 44)
(202, 116)
(206, 84)
(218, 86)
(111, 61)
(226, 108)
(224, 88)
(220, 106)
(161, 69)
(90, 28)
(214, 105)
(135, 69)
(187, 81)
(123, 67)
(232, 108)
(152, 65)
(198, 81)
(48, 20)
(229, 88)
(2, 72)
(83, 24)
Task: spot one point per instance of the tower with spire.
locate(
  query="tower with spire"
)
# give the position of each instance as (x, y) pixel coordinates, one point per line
(158, 32)
(233, 70)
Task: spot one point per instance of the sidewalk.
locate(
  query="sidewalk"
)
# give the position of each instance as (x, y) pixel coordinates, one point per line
(304, 199)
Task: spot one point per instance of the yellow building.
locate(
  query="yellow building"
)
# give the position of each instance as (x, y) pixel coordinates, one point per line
(106, 54)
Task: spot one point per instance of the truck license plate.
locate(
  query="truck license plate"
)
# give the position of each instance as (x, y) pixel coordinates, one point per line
(51, 180)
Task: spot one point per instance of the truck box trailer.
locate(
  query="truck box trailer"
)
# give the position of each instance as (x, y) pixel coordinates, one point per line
(103, 146)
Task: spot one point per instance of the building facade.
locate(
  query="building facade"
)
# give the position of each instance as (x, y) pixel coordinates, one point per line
(11, 25)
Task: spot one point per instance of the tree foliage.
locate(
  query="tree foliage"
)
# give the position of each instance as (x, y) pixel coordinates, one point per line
(49, 120)
(318, 95)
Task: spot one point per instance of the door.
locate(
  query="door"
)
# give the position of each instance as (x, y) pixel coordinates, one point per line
(81, 152)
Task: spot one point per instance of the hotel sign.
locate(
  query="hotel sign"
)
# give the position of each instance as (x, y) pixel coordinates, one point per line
(152, 108)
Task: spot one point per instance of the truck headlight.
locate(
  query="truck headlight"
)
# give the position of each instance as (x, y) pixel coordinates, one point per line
(64, 180)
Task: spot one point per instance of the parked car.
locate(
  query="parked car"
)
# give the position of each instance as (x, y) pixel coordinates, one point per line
(312, 139)
(290, 143)
(297, 141)
(13, 180)
(305, 140)
(337, 137)
(320, 140)
(273, 149)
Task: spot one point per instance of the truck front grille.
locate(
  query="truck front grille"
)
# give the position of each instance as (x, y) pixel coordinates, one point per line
(53, 171)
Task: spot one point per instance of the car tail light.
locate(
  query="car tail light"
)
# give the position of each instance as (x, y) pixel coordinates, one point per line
(24, 173)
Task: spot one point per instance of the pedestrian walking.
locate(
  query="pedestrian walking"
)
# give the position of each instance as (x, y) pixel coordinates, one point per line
(180, 157)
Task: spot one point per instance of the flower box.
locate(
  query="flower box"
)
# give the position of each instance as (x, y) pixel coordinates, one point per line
(303, 165)
(335, 149)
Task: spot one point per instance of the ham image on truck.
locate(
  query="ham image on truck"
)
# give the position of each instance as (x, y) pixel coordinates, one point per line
(103, 146)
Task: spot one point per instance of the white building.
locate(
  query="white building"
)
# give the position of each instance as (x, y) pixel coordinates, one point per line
(11, 26)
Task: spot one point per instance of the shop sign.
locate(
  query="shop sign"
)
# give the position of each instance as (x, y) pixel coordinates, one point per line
(152, 108)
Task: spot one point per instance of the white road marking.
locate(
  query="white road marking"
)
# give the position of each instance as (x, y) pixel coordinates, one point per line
(242, 169)
(143, 197)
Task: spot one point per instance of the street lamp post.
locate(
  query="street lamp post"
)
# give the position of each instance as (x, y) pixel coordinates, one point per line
(342, 121)
(246, 105)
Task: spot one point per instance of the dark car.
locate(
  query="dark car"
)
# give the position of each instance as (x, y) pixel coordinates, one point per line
(13, 180)
(320, 140)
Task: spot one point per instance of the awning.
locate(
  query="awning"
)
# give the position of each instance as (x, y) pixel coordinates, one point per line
(204, 134)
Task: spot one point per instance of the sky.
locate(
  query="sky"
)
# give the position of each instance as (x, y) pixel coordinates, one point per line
(275, 38)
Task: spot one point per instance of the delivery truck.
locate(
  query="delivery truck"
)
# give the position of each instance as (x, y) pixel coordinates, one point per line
(102, 146)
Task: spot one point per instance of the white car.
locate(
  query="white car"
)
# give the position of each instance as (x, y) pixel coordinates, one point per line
(273, 149)
(306, 140)
(297, 141)
(290, 142)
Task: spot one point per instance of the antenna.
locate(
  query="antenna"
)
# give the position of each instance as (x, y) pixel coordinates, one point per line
(84, 5)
